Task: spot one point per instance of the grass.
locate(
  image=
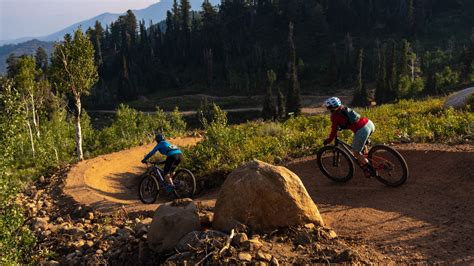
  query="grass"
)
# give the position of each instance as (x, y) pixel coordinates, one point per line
(225, 147)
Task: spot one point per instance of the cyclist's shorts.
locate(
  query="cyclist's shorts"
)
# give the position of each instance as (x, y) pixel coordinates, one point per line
(362, 135)
(172, 162)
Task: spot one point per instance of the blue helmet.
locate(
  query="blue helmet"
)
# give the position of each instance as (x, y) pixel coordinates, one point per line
(333, 103)
(159, 137)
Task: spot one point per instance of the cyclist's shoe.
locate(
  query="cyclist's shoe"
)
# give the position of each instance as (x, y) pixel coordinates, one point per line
(169, 188)
(367, 170)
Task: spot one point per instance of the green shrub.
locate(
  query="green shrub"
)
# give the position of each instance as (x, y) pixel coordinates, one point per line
(225, 147)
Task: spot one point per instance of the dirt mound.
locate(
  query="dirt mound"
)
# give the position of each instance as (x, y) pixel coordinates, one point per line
(429, 219)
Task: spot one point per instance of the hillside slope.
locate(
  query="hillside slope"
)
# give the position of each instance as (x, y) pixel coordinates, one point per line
(28, 47)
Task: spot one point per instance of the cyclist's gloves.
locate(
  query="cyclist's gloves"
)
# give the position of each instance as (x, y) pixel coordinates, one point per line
(326, 142)
(143, 161)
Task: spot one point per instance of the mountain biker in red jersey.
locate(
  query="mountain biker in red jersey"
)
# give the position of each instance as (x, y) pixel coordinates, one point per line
(346, 118)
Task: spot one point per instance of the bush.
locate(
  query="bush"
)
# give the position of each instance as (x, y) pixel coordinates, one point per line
(224, 148)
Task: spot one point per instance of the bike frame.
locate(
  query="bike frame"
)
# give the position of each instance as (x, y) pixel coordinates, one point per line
(346, 147)
(376, 162)
(156, 170)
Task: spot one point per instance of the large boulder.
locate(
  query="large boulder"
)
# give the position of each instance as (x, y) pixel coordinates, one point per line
(459, 99)
(264, 197)
(171, 222)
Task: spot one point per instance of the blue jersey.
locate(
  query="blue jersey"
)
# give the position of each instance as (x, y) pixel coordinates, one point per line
(165, 148)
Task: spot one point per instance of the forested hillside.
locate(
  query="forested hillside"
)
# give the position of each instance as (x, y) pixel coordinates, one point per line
(402, 47)
(29, 48)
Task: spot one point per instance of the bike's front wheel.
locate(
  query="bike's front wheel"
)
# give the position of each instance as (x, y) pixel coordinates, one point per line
(184, 184)
(390, 166)
(148, 189)
(335, 163)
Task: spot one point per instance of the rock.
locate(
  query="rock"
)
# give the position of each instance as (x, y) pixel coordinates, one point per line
(171, 222)
(263, 256)
(459, 99)
(89, 244)
(206, 219)
(49, 263)
(239, 239)
(89, 236)
(329, 234)
(39, 224)
(78, 244)
(274, 262)
(42, 180)
(46, 233)
(109, 230)
(59, 220)
(74, 231)
(244, 256)
(309, 226)
(143, 253)
(90, 216)
(346, 255)
(252, 244)
(99, 252)
(141, 229)
(264, 197)
(303, 238)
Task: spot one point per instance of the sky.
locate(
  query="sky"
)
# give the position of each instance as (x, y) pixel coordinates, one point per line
(35, 18)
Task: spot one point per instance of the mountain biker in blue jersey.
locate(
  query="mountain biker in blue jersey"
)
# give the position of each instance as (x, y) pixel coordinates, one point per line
(173, 156)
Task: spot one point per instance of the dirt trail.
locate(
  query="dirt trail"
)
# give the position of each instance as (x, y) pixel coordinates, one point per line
(110, 181)
(429, 219)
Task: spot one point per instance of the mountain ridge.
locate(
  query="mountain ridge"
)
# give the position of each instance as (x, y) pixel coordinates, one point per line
(155, 12)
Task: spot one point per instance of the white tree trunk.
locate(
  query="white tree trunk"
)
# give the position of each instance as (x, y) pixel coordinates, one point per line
(80, 155)
(31, 138)
(33, 115)
(28, 125)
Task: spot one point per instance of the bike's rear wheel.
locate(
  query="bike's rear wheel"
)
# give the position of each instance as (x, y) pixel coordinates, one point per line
(184, 184)
(391, 167)
(149, 189)
(335, 163)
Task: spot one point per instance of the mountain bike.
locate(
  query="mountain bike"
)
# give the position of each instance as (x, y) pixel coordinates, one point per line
(387, 164)
(152, 182)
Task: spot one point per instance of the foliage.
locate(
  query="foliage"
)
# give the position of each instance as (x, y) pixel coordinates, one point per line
(15, 240)
(225, 147)
(74, 72)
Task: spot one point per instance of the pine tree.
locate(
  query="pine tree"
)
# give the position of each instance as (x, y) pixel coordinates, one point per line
(360, 92)
(381, 86)
(41, 59)
(332, 69)
(410, 20)
(269, 111)
(348, 70)
(391, 74)
(12, 65)
(280, 104)
(293, 99)
(185, 20)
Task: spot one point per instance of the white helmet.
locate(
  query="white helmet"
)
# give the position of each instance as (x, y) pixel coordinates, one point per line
(333, 103)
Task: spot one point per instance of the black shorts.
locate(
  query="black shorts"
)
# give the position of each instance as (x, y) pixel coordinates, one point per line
(172, 162)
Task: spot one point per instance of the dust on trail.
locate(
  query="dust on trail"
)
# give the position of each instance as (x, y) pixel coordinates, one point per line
(428, 219)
